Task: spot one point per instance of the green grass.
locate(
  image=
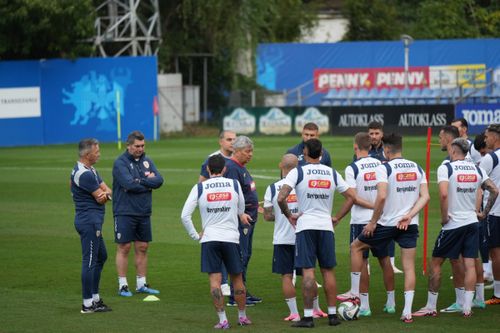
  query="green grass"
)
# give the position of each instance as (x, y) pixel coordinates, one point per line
(40, 250)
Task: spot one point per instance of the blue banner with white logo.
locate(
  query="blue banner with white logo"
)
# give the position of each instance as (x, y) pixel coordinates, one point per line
(478, 116)
(63, 101)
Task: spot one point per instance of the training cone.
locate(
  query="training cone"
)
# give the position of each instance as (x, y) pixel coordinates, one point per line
(151, 298)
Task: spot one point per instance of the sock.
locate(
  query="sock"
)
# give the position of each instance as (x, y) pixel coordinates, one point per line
(316, 303)
(308, 313)
(432, 298)
(88, 302)
(222, 316)
(122, 281)
(242, 313)
(332, 310)
(141, 281)
(468, 296)
(480, 292)
(390, 299)
(487, 268)
(292, 305)
(96, 297)
(392, 261)
(496, 288)
(365, 303)
(460, 295)
(408, 301)
(355, 276)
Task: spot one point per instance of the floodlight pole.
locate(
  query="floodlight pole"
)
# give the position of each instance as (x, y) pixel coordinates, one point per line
(407, 40)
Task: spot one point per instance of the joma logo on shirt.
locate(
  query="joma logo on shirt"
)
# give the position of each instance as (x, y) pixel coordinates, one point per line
(291, 198)
(406, 176)
(464, 178)
(221, 196)
(370, 176)
(319, 183)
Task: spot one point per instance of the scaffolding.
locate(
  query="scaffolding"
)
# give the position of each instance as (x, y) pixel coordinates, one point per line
(127, 27)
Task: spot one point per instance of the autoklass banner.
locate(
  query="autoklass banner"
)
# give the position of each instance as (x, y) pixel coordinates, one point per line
(409, 119)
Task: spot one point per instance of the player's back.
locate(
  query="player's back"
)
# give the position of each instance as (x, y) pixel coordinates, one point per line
(361, 174)
(403, 190)
(283, 230)
(219, 203)
(464, 178)
(490, 163)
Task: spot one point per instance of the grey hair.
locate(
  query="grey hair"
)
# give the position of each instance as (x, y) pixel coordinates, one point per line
(242, 142)
(461, 144)
(85, 145)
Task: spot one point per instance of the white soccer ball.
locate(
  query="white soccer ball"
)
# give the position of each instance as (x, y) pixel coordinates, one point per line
(348, 310)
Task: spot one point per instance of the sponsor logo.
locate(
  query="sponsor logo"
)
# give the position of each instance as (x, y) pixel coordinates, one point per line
(406, 176)
(482, 116)
(240, 121)
(464, 178)
(422, 119)
(275, 122)
(319, 183)
(370, 78)
(370, 176)
(312, 114)
(20, 103)
(220, 196)
(359, 119)
(291, 198)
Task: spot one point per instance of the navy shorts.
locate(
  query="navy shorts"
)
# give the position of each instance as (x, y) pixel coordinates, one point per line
(455, 242)
(382, 237)
(356, 230)
(214, 254)
(284, 259)
(493, 231)
(315, 244)
(130, 228)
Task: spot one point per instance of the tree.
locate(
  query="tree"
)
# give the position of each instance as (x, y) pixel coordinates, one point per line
(34, 29)
(226, 29)
(422, 19)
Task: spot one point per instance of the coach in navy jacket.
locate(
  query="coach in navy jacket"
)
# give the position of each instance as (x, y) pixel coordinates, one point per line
(134, 178)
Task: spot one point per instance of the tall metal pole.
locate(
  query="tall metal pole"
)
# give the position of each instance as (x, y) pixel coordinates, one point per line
(407, 40)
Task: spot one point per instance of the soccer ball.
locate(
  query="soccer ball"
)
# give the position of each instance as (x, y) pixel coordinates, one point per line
(348, 310)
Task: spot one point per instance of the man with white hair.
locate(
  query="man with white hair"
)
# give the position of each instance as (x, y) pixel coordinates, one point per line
(236, 169)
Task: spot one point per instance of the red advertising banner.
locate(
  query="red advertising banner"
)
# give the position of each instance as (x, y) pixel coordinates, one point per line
(370, 78)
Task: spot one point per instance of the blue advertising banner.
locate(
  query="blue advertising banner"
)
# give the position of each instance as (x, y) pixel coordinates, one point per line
(63, 101)
(478, 116)
(318, 68)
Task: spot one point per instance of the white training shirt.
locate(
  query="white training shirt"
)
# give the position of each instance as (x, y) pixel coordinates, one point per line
(283, 230)
(315, 185)
(403, 190)
(361, 175)
(464, 178)
(489, 163)
(220, 201)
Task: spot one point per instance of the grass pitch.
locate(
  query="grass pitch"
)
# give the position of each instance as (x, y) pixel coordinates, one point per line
(40, 251)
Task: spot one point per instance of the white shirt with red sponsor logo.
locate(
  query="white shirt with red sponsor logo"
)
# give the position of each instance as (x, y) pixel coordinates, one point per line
(220, 201)
(464, 179)
(403, 190)
(361, 175)
(283, 230)
(315, 185)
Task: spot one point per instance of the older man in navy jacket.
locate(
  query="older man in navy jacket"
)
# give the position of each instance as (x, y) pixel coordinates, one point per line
(134, 178)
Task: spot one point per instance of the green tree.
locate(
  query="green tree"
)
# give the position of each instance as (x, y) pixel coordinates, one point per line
(226, 29)
(422, 19)
(34, 29)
